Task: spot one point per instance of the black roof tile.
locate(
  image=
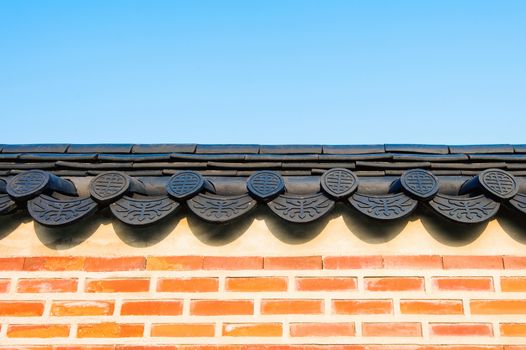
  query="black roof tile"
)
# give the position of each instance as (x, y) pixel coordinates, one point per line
(80, 165)
(212, 149)
(290, 149)
(392, 165)
(9, 156)
(430, 157)
(352, 149)
(468, 165)
(133, 157)
(207, 157)
(170, 165)
(499, 157)
(100, 148)
(318, 165)
(254, 165)
(413, 148)
(281, 157)
(481, 149)
(40, 165)
(353, 157)
(58, 156)
(164, 148)
(35, 148)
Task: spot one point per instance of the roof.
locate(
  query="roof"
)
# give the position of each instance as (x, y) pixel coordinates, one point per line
(141, 184)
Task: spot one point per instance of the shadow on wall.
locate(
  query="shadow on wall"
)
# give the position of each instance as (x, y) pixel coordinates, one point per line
(368, 230)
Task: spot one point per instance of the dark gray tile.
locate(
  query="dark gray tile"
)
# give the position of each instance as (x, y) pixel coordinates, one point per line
(352, 149)
(35, 148)
(164, 148)
(210, 149)
(290, 149)
(413, 148)
(481, 149)
(100, 148)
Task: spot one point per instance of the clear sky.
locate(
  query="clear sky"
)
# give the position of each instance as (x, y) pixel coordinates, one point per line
(334, 72)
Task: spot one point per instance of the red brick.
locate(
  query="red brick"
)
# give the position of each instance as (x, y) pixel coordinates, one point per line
(221, 307)
(401, 329)
(514, 262)
(256, 284)
(461, 329)
(413, 262)
(84, 347)
(188, 285)
(293, 263)
(47, 285)
(498, 307)
(54, 263)
(325, 283)
(118, 285)
(4, 285)
(115, 264)
(152, 307)
(513, 329)
(395, 284)
(352, 262)
(513, 284)
(183, 330)
(21, 308)
(432, 307)
(174, 263)
(82, 308)
(252, 330)
(463, 283)
(233, 263)
(11, 264)
(322, 329)
(473, 262)
(291, 306)
(38, 331)
(362, 307)
(110, 330)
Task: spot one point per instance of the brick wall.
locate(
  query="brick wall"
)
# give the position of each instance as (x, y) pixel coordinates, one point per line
(245, 302)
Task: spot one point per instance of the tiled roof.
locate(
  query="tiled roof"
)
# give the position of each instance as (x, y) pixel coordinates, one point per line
(143, 183)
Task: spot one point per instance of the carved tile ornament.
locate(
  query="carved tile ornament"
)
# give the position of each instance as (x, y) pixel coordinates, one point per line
(143, 211)
(420, 184)
(384, 207)
(499, 183)
(50, 211)
(213, 208)
(6, 204)
(301, 209)
(465, 210)
(28, 184)
(109, 186)
(339, 183)
(519, 202)
(265, 185)
(185, 184)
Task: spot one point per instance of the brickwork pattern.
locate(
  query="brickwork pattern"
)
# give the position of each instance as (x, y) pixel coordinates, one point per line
(253, 302)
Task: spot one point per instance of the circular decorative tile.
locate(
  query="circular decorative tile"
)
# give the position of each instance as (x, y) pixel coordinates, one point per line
(265, 185)
(27, 184)
(499, 183)
(419, 183)
(339, 183)
(109, 186)
(185, 184)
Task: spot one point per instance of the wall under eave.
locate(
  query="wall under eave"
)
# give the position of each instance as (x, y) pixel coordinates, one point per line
(260, 281)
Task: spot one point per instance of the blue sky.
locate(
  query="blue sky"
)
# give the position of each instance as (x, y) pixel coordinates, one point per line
(334, 72)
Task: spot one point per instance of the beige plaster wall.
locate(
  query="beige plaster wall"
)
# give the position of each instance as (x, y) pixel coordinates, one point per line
(263, 234)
